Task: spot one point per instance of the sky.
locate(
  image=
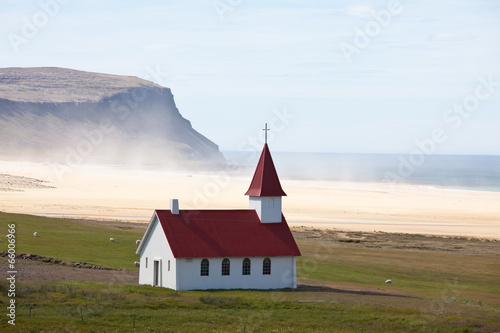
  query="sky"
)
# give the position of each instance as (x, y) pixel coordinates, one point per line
(327, 76)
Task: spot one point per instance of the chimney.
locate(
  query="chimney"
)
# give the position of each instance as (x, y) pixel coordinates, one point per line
(174, 206)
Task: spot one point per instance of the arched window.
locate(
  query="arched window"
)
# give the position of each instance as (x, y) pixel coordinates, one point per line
(270, 203)
(204, 267)
(246, 266)
(266, 267)
(225, 266)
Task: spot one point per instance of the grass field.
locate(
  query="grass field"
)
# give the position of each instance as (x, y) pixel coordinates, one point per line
(453, 287)
(74, 241)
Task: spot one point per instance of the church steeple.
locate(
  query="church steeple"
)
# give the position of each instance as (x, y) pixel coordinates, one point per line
(265, 182)
(265, 190)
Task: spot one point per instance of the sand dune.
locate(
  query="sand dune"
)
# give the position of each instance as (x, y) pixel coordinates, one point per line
(131, 195)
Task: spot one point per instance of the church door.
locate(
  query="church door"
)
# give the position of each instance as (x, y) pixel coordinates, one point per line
(156, 273)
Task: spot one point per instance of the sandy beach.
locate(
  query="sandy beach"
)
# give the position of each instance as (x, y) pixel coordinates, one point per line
(111, 193)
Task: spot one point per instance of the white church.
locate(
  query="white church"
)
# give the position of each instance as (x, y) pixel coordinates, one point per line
(223, 249)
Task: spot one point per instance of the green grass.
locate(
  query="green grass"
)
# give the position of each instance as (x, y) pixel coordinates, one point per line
(427, 280)
(72, 241)
(417, 272)
(104, 307)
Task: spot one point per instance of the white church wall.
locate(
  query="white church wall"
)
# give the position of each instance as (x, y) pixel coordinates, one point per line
(156, 248)
(185, 273)
(282, 274)
(268, 208)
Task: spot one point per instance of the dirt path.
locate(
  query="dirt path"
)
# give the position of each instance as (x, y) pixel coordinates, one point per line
(28, 270)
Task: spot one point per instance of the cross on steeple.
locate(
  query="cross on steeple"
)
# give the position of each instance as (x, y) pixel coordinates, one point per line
(265, 131)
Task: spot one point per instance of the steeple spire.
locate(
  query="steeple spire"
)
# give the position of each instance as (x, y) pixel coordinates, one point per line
(265, 190)
(265, 182)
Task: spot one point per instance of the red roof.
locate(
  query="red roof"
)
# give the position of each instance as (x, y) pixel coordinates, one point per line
(225, 233)
(265, 182)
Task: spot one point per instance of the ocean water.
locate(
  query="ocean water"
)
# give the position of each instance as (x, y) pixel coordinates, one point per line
(471, 172)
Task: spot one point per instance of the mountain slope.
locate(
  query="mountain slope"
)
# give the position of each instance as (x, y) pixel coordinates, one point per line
(69, 116)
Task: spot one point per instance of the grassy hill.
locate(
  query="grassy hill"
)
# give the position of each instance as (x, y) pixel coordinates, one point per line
(74, 241)
(434, 289)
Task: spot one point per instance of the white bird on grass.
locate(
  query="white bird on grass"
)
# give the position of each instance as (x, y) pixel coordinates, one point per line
(388, 281)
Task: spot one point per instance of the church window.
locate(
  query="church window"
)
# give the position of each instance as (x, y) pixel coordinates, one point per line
(225, 266)
(204, 267)
(146, 262)
(266, 267)
(246, 266)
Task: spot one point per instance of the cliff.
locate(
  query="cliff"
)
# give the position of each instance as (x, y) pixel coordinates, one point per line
(69, 116)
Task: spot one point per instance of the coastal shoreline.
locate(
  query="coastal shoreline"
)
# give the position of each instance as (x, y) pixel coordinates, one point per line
(110, 193)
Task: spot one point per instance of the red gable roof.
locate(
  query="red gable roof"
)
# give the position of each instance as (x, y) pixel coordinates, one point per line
(265, 182)
(225, 233)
